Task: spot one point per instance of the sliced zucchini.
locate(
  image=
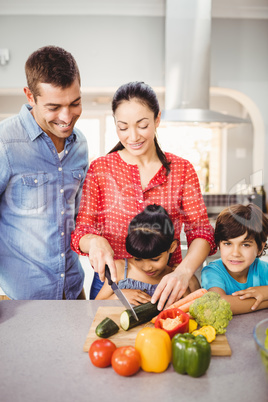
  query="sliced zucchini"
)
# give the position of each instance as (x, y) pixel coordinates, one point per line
(145, 313)
(106, 328)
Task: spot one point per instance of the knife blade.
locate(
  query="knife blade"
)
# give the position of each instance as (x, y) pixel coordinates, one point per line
(119, 293)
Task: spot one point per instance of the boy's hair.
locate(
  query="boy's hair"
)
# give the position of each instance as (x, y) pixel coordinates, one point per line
(51, 65)
(236, 220)
(150, 233)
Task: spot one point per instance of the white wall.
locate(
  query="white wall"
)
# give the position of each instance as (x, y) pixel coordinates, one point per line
(108, 50)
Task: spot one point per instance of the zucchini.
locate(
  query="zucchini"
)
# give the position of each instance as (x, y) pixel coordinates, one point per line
(145, 313)
(106, 328)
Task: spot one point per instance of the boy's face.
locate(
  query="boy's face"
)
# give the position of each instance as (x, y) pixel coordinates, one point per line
(237, 255)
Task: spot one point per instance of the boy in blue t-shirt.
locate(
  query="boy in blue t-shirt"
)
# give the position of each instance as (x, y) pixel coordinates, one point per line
(239, 276)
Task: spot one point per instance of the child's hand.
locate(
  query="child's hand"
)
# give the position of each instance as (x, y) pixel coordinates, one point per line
(260, 293)
(136, 296)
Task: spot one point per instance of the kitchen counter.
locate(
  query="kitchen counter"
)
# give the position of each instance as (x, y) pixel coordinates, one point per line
(42, 359)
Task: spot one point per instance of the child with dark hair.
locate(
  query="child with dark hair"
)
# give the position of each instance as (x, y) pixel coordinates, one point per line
(150, 242)
(239, 276)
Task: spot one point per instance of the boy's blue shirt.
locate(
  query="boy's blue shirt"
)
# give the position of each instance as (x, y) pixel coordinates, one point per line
(216, 275)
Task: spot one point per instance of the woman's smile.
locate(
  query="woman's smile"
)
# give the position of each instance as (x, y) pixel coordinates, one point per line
(137, 145)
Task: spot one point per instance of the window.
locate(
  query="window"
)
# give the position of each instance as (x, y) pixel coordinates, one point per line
(201, 146)
(90, 127)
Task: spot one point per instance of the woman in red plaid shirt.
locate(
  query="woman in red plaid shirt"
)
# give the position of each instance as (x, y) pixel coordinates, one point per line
(134, 174)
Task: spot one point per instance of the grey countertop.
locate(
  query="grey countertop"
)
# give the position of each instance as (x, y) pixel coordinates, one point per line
(42, 359)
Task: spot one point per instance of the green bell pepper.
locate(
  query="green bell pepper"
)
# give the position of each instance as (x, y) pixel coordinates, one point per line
(190, 354)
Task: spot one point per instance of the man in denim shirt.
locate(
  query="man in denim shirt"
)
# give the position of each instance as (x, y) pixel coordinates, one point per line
(44, 160)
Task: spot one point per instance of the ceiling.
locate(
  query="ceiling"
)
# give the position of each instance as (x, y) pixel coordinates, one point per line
(220, 9)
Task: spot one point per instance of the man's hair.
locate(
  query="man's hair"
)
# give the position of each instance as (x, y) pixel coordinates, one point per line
(150, 233)
(51, 65)
(236, 220)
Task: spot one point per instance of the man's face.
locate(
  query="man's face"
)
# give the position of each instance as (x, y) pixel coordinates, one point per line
(56, 110)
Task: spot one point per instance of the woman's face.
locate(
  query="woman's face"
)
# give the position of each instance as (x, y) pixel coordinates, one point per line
(136, 126)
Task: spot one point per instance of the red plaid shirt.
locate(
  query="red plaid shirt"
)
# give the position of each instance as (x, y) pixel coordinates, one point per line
(113, 195)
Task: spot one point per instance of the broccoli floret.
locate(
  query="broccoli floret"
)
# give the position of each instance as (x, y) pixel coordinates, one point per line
(211, 309)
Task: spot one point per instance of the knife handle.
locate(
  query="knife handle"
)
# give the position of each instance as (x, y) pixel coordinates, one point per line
(108, 274)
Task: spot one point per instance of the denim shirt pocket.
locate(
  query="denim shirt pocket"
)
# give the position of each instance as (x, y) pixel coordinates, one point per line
(34, 190)
(78, 177)
(78, 174)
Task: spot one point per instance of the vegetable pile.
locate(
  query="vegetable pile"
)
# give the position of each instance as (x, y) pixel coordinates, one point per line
(211, 309)
(177, 338)
(153, 352)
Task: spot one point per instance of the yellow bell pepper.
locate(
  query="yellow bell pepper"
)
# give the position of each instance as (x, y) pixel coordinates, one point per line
(154, 346)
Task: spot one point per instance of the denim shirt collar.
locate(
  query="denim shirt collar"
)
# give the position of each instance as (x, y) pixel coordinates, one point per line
(33, 129)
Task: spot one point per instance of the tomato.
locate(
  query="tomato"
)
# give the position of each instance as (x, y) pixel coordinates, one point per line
(126, 361)
(100, 352)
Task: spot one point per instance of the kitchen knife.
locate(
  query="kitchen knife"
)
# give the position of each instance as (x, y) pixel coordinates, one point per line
(119, 293)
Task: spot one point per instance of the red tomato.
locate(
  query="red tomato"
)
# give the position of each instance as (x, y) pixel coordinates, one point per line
(101, 351)
(126, 361)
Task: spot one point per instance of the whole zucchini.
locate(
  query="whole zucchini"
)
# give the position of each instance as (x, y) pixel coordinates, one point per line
(145, 313)
(106, 328)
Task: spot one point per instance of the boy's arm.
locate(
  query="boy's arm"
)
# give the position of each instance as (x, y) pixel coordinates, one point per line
(241, 306)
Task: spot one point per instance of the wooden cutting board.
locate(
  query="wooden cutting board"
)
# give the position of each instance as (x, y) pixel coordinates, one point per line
(219, 347)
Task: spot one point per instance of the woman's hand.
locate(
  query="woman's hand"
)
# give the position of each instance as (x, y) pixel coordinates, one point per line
(260, 293)
(100, 253)
(136, 296)
(171, 288)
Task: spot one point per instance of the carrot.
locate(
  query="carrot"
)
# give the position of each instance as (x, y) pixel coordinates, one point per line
(185, 307)
(191, 297)
(184, 303)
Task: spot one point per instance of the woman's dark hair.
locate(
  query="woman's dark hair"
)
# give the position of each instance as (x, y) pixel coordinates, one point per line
(236, 220)
(50, 65)
(145, 95)
(150, 233)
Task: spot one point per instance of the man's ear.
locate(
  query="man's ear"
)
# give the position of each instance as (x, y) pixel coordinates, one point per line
(173, 246)
(29, 95)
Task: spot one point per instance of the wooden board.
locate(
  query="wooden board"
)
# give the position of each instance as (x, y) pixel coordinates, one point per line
(219, 347)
